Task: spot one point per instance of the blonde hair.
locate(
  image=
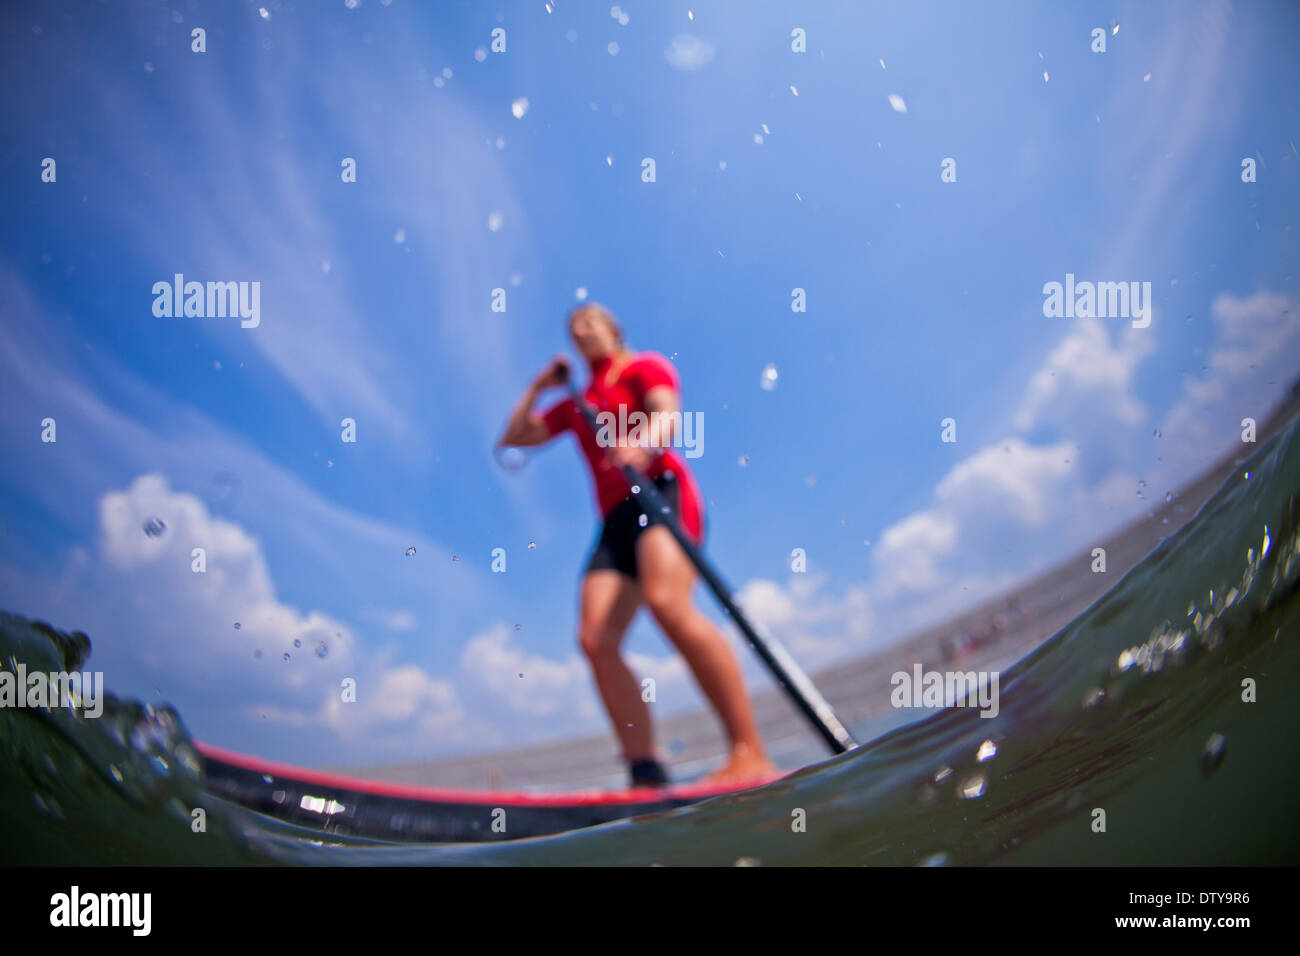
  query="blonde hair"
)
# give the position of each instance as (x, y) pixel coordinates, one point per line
(606, 316)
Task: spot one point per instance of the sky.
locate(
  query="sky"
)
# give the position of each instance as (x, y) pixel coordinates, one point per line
(920, 171)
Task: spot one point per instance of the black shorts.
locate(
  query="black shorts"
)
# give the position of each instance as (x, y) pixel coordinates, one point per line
(616, 546)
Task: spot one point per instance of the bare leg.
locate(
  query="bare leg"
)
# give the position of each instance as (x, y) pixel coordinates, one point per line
(608, 602)
(667, 578)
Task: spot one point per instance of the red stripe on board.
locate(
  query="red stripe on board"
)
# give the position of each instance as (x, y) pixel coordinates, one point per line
(577, 798)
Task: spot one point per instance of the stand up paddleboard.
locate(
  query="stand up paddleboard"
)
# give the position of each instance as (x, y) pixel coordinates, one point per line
(391, 811)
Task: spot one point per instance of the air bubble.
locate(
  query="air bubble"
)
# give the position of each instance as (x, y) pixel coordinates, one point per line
(1212, 755)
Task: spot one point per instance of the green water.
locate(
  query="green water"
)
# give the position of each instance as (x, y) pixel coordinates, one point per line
(1114, 713)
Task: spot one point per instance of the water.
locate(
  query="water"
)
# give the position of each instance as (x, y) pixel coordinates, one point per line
(1134, 709)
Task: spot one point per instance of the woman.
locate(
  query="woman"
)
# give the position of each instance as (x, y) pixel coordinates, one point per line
(636, 560)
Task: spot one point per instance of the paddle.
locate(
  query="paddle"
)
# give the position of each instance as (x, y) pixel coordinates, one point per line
(778, 660)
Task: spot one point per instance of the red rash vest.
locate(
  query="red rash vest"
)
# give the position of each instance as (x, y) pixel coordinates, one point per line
(628, 387)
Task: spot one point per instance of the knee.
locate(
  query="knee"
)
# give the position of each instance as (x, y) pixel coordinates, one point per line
(598, 643)
(664, 602)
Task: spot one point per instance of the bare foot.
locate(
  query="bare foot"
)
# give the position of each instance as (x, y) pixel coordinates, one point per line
(743, 764)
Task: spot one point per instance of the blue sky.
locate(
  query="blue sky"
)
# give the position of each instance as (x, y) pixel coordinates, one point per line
(775, 170)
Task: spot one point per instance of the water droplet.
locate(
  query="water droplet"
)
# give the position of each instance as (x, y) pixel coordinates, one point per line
(286, 655)
(455, 557)
(518, 627)
(1169, 497)
(495, 221)
(935, 859)
(897, 103)
(636, 489)
(768, 379)
(743, 460)
(329, 462)
(519, 107)
(581, 293)
(972, 788)
(238, 625)
(532, 545)
(747, 861)
(1212, 755)
(1114, 27)
(154, 527)
(399, 236)
(642, 521)
(410, 551)
(322, 650)
(297, 642)
(988, 750)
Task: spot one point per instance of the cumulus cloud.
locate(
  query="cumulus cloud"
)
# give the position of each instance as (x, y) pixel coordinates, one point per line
(1257, 339)
(527, 683)
(910, 550)
(816, 625)
(1090, 373)
(1013, 478)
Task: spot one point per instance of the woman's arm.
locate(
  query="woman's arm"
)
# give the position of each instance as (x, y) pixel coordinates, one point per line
(524, 428)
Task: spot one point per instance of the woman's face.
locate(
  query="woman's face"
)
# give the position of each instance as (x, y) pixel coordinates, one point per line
(592, 335)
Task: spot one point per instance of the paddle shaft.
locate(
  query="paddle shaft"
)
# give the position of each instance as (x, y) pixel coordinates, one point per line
(778, 660)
